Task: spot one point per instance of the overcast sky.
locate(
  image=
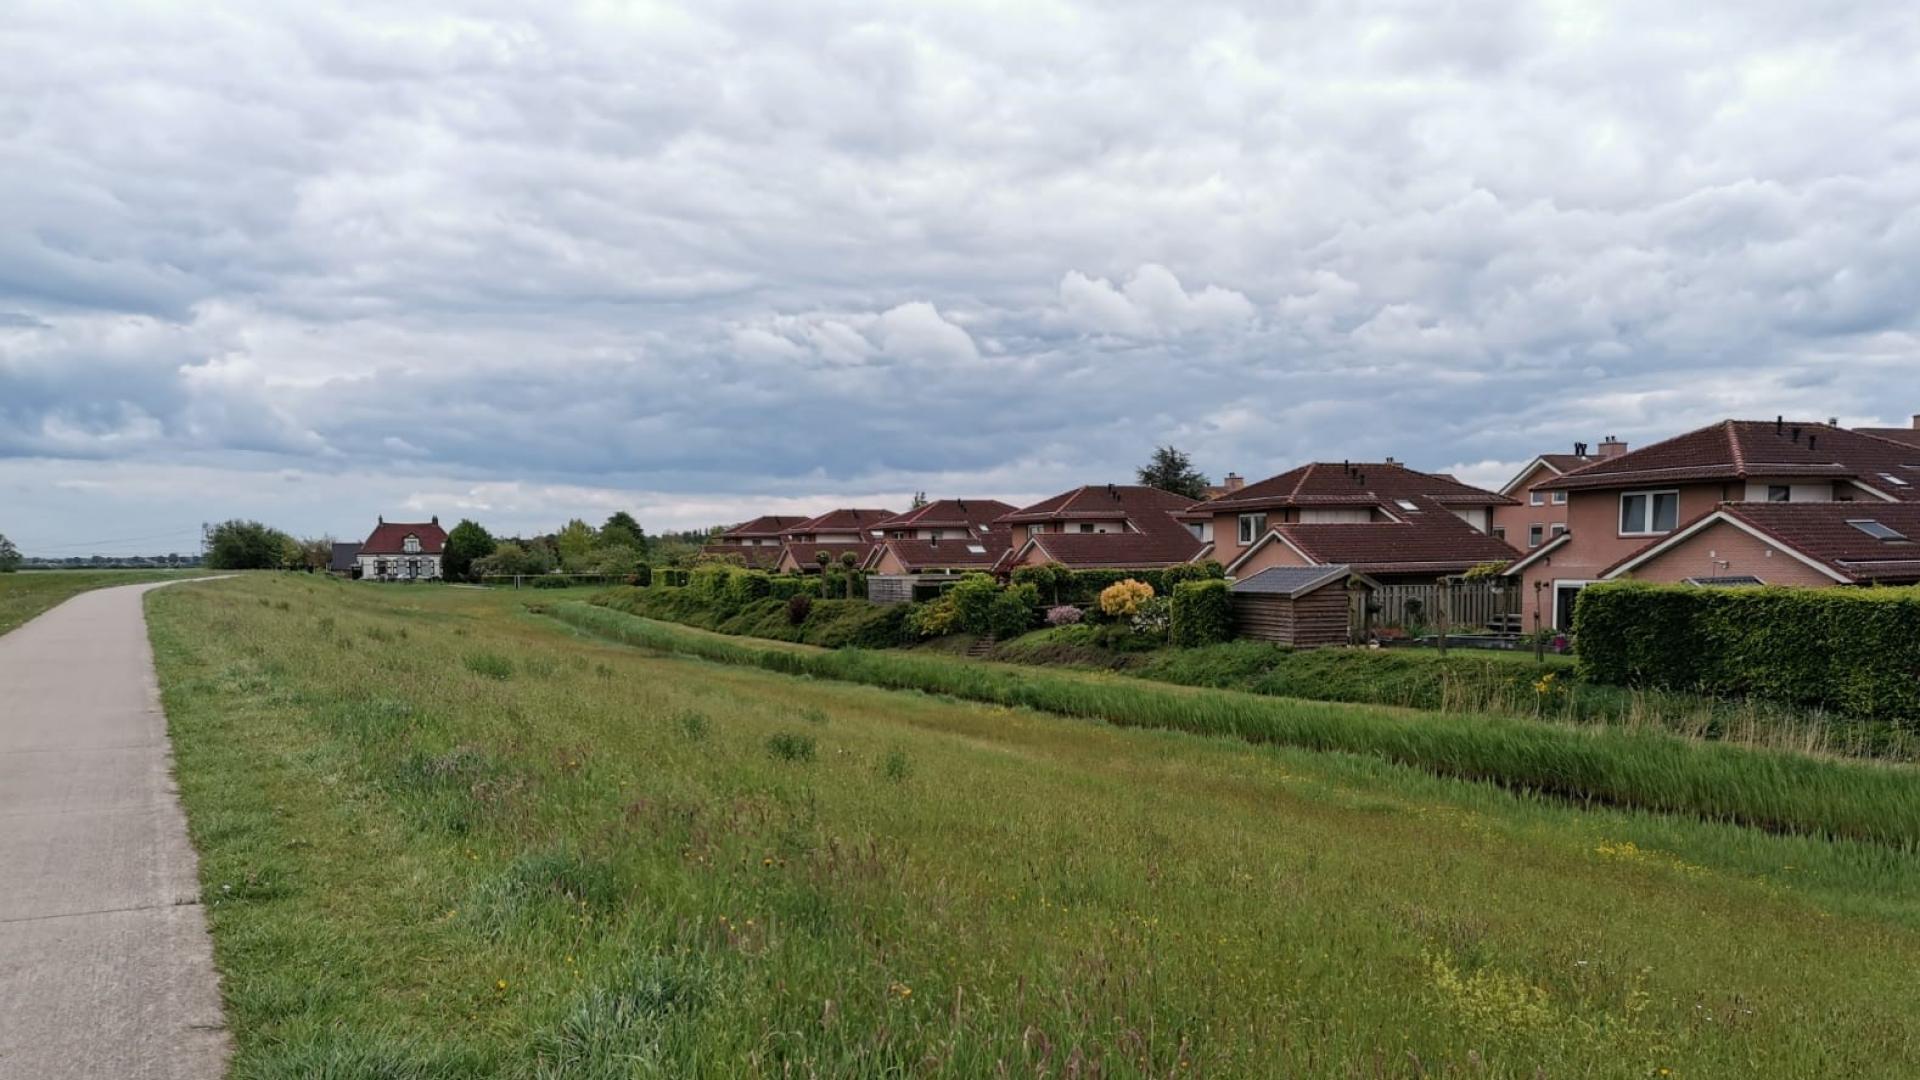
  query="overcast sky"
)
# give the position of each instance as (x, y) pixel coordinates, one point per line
(706, 261)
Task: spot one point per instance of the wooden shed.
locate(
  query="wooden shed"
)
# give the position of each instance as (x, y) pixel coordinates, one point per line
(1305, 607)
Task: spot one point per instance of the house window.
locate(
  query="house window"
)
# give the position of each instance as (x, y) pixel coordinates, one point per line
(411, 545)
(1535, 533)
(1536, 498)
(1499, 532)
(1649, 513)
(1251, 526)
(1559, 498)
(1779, 493)
(1086, 526)
(1557, 528)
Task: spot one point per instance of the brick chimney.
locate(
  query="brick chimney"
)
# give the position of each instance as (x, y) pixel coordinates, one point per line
(1916, 421)
(1611, 447)
(1234, 483)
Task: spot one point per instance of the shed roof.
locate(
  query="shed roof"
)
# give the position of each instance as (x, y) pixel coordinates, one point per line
(1292, 581)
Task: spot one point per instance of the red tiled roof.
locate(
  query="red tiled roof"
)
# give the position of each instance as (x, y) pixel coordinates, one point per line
(390, 537)
(841, 521)
(1821, 532)
(1569, 462)
(1743, 449)
(1110, 502)
(1123, 550)
(803, 554)
(766, 526)
(1372, 483)
(1433, 540)
(753, 556)
(950, 514)
(1908, 436)
(917, 555)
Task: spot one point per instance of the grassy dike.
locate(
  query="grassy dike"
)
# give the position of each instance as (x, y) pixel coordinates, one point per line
(442, 838)
(1628, 768)
(26, 593)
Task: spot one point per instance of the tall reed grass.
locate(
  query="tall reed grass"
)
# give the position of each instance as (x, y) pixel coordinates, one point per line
(1627, 767)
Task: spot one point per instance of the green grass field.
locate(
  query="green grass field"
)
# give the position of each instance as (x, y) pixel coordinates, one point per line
(27, 593)
(443, 837)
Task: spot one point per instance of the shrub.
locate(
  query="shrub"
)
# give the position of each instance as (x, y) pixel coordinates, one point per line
(709, 582)
(1855, 651)
(746, 586)
(1122, 599)
(799, 606)
(790, 746)
(935, 618)
(787, 586)
(1055, 582)
(550, 581)
(1011, 612)
(642, 576)
(1202, 613)
(972, 599)
(1063, 615)
(1154, 617)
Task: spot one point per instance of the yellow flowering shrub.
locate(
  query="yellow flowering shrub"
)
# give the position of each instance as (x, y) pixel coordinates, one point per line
(1122, 599)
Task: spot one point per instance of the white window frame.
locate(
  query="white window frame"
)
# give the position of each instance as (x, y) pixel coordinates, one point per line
(1556, 529)
(1251, 527)
(1787, 488)
(1535, 498)
(1559, 498)
(1499, 532)
(1619, 516)
(1536, 535)
(1553, 588)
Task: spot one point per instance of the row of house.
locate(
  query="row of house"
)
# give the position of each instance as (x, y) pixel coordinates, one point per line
(1737, 502)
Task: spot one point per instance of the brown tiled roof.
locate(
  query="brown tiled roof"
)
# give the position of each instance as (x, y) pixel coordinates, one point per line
(918, 555)
(1122, 550)
(1906, 435)
(1569, 462)
(950, 514)
(1821, 532)
(1337, 483)
(766, 526)
(1432, 540)
(841, 521)
(1743, 449)
(1091, 502)
(804, 553)
(390, 537)
(753, 556)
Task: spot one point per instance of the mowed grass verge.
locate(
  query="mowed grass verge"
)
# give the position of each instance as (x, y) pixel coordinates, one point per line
(442, 838)
(26, 593)
(1638, 768)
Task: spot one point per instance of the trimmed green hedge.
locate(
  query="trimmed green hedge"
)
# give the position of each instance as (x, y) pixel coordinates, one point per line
(1854, 651)
(1202, 613)
(1058, 585)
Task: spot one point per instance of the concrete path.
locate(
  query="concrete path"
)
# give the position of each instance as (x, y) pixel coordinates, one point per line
(106, 969)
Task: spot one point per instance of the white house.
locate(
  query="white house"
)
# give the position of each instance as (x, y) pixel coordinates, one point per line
(403, 551)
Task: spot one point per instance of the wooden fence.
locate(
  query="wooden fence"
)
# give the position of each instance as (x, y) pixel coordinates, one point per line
(1470, 605)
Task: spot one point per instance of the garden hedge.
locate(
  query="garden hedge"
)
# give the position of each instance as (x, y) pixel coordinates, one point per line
(1202, 613)
(1058, 585)
(1853, 651)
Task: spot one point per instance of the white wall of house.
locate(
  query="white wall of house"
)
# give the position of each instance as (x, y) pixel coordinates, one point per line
(1480, 517)
(1799, 490)
(399, 567)
(1358, 515)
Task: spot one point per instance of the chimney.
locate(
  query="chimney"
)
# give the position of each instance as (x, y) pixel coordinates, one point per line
(381, 519)
(436, 519)
(1611, 447)
(1234, 483)
(1390, 460)
(1112, 492)
(1579, 449)
(1916, 421)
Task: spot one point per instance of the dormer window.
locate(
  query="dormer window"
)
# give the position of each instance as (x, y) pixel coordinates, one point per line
(411, 545)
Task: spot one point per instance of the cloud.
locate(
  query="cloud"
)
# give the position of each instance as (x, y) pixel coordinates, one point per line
(733, 254)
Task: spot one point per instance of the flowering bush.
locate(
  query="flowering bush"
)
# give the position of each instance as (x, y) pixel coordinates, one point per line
(935, 618)
(1064, 615)
(1122, 599)
(1153, 617)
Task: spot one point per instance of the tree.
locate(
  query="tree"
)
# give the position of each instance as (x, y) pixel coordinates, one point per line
(1171, 470)
(575, 541)
(621, 530)
(9, 556)
(919, 500)
(847, 560)
(509, 559)
(246, 545)
(465, 544)
(316, 553)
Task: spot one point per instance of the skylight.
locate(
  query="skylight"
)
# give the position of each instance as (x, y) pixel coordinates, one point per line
(977, 549)
(1892, 479)
(1406, 504)
(1875, 529)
